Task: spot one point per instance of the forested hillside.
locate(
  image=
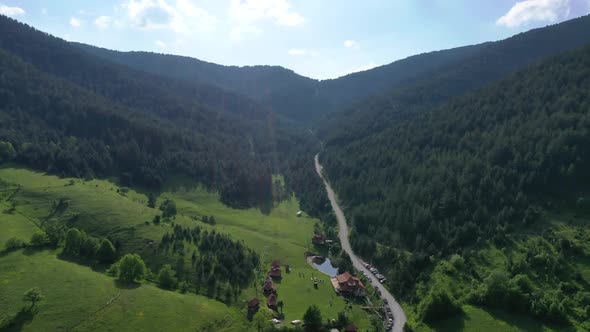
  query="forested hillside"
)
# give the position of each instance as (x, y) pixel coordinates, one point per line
(477, 169)
(491, 61)
(286, 92)
(73, 114)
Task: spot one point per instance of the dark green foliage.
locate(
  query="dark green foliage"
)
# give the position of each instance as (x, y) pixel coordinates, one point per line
(312, 319)
(131, 268)
(157, 219)
(106, 252)
(438, 304)
(7, 152)
(168, 208)
(73, 241)
(167, 277)
(14, 243)
(151, 200)
(220, 264)
(39, 239)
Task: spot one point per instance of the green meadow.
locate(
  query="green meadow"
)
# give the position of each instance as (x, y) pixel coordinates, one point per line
(98, 208)
(76, 298)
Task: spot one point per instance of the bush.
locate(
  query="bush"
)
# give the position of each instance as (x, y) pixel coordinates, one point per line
(106, 253)
(436, 305)
(131, 268)
(14, 244)
(39, 239)
(167, 278)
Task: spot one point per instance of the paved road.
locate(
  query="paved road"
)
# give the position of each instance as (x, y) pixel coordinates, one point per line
(398, 313)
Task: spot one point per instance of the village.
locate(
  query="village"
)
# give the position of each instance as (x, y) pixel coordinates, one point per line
(350, 287)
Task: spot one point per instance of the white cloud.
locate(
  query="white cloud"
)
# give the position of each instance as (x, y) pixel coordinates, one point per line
(241, 32)
(44, 11)
(250, 11)
(75, 22)
(350, 43)
(181, 16)
(103, 22)
(528, 11)
(160, 44)
(302, 52)
(11, 11)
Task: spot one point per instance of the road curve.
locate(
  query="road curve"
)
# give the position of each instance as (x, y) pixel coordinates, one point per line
(398, 313)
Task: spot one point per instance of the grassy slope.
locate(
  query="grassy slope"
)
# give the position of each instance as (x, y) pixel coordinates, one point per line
(74, 296)
(279, 235)
(96, 207)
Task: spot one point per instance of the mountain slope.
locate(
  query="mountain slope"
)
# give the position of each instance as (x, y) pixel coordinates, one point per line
(281, 89)
(489, 62)
(107, 119)
(483, 167)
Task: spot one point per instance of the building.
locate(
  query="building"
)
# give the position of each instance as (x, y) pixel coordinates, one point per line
(348, 285)
(271, 301)
(275, 270)
(253, 305)
(269, 288)
(351, 328)
(319, 239)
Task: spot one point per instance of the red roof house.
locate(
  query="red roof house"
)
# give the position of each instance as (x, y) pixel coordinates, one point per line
(347, 284)
(351, 328)
(271, 301)
(319, 239)
(276, 264)
(269, 288)
(254, 304)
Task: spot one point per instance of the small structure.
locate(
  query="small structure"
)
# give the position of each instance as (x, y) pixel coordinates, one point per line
(319, 239)
(271, 302)
(269, 288)
(351, 328)
(348, 285)
(299, 213)
(253, 305)
(275, 270)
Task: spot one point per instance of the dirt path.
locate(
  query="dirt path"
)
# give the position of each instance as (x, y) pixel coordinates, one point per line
(398, 313)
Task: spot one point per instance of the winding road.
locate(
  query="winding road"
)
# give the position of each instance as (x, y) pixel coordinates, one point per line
(399, 316)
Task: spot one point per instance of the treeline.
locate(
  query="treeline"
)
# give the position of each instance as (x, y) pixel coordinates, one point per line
(211, 263)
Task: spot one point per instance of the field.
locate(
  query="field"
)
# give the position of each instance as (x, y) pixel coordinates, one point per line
(75, 299)
(97, 207)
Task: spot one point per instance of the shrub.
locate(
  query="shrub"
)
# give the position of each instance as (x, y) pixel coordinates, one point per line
(39, 239)
(131, 268)
(14, 243)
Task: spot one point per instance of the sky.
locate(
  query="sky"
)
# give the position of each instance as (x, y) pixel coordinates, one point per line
(315, 38)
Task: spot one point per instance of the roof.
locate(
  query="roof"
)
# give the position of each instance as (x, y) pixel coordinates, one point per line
(351, 328)
(276, 263)
(253, 303)
(272, 300)
(348, 282)
(275, 273)
(269, 286)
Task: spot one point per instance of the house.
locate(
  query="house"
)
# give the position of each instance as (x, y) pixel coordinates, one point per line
(269, 288)
(275, 264)
(271, 301)
(275, 270)
(275, 273)
(351, 328)
(253, 305)
(319, 239)
(347, 284)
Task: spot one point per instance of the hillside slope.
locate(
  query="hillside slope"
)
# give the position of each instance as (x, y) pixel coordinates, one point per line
(482, 167)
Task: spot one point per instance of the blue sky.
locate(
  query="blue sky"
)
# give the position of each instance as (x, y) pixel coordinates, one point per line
(316, 38)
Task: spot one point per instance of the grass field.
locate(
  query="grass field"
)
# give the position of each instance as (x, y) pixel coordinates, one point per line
(75, 299)
(96, 207)
(476, 319)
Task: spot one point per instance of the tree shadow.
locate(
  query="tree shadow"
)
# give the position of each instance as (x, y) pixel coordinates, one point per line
(95, 266)
(451, 324)
(18, 322)
(29, 251)
(126, 285)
